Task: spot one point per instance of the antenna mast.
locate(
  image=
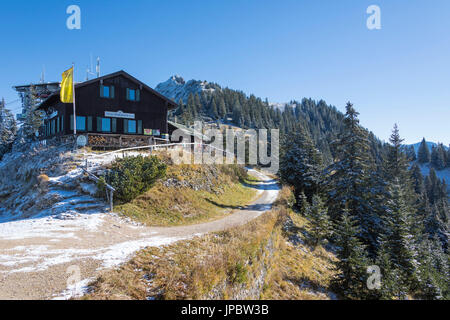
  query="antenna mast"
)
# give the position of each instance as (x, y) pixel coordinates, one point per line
(97, 68)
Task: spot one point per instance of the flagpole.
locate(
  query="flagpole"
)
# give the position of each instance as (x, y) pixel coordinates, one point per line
(73, 93)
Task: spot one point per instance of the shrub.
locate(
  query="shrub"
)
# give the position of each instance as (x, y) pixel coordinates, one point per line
(133, 176)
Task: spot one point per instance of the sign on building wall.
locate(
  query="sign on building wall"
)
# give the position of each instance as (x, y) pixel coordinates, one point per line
(152, 132)
(119, 114)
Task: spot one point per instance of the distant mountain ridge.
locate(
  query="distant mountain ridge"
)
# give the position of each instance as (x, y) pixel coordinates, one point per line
(177, 88)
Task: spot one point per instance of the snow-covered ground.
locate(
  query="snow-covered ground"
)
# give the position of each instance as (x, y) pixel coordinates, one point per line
(48, 227)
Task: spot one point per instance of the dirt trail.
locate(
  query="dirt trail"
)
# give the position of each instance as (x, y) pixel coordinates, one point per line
(38, 256)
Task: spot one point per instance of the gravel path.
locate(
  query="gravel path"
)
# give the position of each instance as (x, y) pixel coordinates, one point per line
(48, 258)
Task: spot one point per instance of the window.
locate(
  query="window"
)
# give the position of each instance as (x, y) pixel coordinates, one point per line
(106, 124)
(129, 126)
(62, 123)
(139, 127)
(103, 124)
(107, 91)
(114, 124)
(133, 95)
(89, 125)
(57, 124)
(81, 123)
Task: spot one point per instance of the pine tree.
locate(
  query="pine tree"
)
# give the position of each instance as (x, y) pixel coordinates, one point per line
(448, 157)
(433, 271)
(398, 238)
(222, 109)
(238, 118)
(438, 157)
(351, 180)
(301, 163)
(33, 117)
(391, 282)
(351, 266)
(423, 154)
(303, 203)
(8, 128)
(418, 181)
(213, 109)
(319, 223)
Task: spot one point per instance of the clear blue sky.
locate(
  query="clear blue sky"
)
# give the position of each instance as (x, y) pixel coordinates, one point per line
(281, 50)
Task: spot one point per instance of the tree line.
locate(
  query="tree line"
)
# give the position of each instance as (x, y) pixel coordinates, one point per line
(372, 213)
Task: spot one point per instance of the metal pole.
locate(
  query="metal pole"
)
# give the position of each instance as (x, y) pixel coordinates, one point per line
(111, 200)
(73, 99)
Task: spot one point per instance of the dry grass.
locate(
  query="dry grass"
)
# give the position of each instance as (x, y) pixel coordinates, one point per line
(223, 265)
(300, 271)
(200, 193)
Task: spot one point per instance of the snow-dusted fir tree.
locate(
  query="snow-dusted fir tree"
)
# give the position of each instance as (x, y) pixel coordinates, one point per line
(8, 128)
(301, 163)
(318, 222)
(33, 117)
(433, 271)
(351, 267)
(423, 155)
(351, 181)
(398, 238)
(438, 157)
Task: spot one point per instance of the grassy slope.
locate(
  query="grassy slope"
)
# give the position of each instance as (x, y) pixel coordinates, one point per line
(219, 265)
(199, 194)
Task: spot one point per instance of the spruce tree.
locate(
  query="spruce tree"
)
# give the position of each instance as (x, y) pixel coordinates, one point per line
(448, 157)
(423, 154)
(319, 223)
(351, 266)
(352, 181)
(433, 271)
(417, 178)
(33, 117)
(398, 238)
(8, 128)
(301, 163)
(438, 157)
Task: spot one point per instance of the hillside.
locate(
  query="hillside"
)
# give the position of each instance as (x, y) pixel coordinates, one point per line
(206, 101)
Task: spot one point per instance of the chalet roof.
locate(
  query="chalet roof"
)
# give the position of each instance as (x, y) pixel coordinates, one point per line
(171, 104)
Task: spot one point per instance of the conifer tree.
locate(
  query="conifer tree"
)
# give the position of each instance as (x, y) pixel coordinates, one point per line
(351, 266)
(418, 181)
(351, 179)
(301, 163)
(319, 223)
(222, 109)
(33, 117)
(423, 154)
(448, 157)
(8, 128)
(398, 239)
(213, 109)
(438, 157)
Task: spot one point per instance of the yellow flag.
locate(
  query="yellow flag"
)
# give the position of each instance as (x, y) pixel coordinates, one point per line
(67, 86)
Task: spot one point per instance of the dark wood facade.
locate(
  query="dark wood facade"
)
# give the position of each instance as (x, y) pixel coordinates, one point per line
(116, 104)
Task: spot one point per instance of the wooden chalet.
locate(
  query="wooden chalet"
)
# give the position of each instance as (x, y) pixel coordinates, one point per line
(115, 110)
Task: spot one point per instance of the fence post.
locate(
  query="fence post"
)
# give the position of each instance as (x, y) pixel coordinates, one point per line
(111, 200)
